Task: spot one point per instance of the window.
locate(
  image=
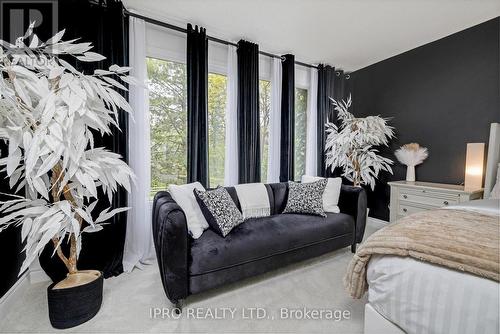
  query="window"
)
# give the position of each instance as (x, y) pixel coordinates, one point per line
(168, 113)
(217, 85)
(300, 132)
(265, 111)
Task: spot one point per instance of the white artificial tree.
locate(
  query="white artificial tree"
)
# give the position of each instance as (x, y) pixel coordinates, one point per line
(49, 113)
(351, 145)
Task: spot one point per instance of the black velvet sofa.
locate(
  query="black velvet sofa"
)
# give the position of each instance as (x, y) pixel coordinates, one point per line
(189, 266)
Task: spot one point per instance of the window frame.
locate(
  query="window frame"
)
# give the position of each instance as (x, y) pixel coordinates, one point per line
(168, 45)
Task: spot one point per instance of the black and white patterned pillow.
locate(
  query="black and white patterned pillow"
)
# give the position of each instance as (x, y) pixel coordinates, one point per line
(219, 209)
(306, 198)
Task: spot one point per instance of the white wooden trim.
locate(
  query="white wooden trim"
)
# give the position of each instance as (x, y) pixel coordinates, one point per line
(13, 294)
(493, 159)
(377, 221)
(37, 276)
(36, 273)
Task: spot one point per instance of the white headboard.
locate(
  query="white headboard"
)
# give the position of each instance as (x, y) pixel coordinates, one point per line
(493, 159)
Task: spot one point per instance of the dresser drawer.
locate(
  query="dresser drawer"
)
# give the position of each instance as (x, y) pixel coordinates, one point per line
(431, 198)
(406, 209)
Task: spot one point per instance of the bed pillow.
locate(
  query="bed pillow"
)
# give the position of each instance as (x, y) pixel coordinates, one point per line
(495, 192)
(184, 197)
(219, 209)
(332, 192)
(306, 198)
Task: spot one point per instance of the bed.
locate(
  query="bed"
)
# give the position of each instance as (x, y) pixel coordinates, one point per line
(406, 295)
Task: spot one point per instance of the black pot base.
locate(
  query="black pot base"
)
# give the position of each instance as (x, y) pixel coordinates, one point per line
(71, 307)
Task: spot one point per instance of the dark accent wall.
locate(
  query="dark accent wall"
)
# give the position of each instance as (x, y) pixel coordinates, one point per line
(442, 95)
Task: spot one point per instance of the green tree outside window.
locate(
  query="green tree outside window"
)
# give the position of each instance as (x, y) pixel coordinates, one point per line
(217, 91)
(168, 114)
(300, 133)
(265, 111)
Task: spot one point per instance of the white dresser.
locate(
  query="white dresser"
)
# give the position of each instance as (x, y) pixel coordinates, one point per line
(410, 197)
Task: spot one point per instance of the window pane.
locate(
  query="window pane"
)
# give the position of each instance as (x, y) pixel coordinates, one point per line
(300, 132)
(168, 112)
(265, 111)
(217, 84)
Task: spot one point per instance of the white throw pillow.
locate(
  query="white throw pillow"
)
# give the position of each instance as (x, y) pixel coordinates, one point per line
(184, 196)
(331, 194)
(495, 193)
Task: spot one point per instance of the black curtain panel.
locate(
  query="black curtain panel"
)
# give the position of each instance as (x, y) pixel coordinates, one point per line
(287, 118)
(197, 105)
(331, 84)
(11, 247)
(341, 90)
(103, 23)
(326, 79)
(248, 113)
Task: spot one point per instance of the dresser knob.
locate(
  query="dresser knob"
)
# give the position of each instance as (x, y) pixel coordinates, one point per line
(404, 210)
(445, 202)
(404, 196)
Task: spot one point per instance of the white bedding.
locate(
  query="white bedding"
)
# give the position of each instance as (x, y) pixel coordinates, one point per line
(424, 298)
(484, 206)
(421, 297)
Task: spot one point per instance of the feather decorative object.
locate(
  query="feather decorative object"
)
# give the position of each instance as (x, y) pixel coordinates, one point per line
(351, 145)
(411, 154)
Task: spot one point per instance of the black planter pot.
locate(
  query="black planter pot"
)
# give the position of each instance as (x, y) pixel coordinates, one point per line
(71, 307)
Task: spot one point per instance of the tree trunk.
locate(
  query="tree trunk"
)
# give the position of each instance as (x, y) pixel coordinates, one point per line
(357, 174)
(69, 262)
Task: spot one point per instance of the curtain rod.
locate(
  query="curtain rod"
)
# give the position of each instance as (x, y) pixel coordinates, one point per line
(210, 38)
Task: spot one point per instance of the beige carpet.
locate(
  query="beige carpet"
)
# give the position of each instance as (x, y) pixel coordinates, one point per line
(129, 299)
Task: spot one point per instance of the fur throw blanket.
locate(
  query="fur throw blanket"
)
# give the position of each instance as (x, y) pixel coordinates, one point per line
(457, 239)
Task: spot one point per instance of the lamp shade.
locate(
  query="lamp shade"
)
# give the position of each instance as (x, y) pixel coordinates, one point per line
(474, 163)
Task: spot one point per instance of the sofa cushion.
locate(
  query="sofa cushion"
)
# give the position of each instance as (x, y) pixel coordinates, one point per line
(306, 197)
(219, 209)
(260, 238)
(183, 195)
(331, 194)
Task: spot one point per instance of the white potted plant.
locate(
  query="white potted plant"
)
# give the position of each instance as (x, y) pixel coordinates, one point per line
(351, 145)
(49, 114)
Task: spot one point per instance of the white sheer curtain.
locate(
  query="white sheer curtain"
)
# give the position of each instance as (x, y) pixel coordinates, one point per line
(139, 238)
(273, 167)
(231, 158)
(312, 120)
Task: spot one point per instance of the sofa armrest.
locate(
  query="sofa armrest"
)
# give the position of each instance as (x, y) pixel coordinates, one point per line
(353, 202)
(171, 241)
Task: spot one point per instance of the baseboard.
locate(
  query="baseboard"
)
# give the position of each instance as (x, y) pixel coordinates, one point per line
(13, 294)
(377, 221)
(36, 273)
(37, 276)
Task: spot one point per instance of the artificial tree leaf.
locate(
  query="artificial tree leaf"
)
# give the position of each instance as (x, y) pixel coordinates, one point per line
(92, 229)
